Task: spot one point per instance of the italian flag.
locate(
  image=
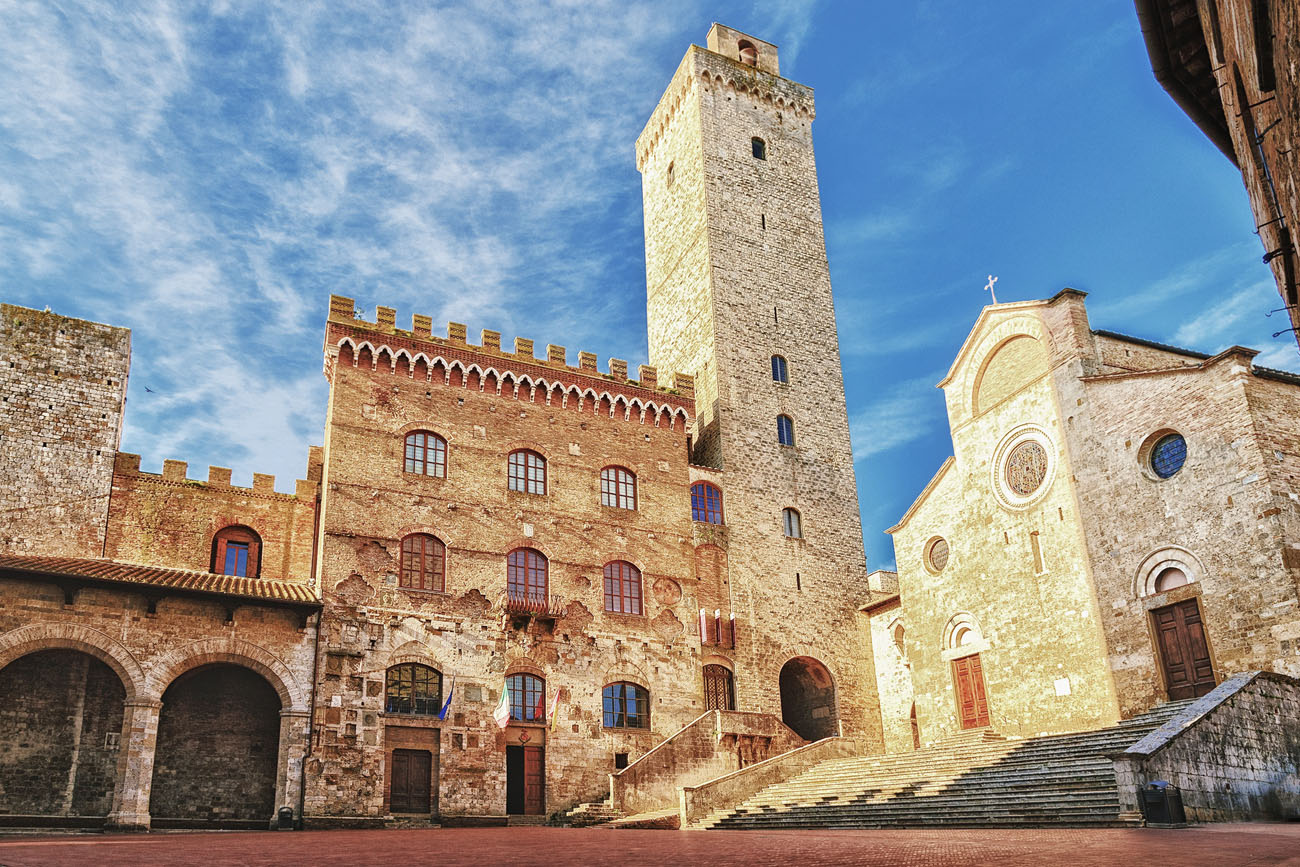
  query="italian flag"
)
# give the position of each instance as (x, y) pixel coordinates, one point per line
(502, 712)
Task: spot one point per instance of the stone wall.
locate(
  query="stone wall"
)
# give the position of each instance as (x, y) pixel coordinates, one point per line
(736, 272)
(64, 387)
(218, 737)
(463, 631)
(144, 653)
(1234, 754)
(1226, 518)
(1016, 574)
(169, 520)
(893, 675)
(716, 743)
(61, 717)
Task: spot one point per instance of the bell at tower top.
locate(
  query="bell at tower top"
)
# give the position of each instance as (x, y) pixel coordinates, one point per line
(743, 48)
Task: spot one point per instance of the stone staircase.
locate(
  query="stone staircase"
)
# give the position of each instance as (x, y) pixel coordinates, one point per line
(973, 779)
(591, 813)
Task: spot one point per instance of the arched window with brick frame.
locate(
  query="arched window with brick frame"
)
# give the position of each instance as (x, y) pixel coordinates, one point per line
(413, 688)
(237, 550)
(622, 588)
(527, 472)
(618, 488)
(425, 454)
(706, 503)
(424, 563)
(526, 576)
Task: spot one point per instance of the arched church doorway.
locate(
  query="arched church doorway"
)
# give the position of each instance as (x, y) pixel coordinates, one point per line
(218, 741)
(808, 699)
(60, 725)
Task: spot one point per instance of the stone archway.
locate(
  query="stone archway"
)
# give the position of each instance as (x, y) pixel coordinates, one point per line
(808, 699)
(218, 746)
(60, 729)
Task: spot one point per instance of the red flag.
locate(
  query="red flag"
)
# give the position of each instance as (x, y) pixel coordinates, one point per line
(540, 711)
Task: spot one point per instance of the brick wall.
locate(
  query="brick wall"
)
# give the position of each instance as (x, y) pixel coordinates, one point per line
(370, 503)
(63, 383)
(166, 519)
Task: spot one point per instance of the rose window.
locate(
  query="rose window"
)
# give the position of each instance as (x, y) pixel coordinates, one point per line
(1026, 467)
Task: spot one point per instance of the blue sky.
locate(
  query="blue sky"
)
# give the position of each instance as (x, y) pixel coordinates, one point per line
(208, 174)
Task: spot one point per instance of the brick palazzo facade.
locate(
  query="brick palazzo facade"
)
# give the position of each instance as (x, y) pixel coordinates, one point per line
(624, 553)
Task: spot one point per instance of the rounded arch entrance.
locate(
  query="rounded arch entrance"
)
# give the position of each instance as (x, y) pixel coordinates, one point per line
(60, 729)
(218, 747)
(808, 699)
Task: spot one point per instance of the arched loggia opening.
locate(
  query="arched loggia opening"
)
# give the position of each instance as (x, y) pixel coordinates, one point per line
(218, 746)
(808, 699)
(60, 729)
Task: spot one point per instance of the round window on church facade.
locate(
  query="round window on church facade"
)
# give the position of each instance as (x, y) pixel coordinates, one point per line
(1162, 455)
(1026, 467)
(936, 554)
(1023, 467)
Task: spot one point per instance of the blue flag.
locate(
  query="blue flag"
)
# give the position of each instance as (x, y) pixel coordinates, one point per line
(442, 714)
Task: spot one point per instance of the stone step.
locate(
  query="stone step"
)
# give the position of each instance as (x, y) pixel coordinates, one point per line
(971, 779)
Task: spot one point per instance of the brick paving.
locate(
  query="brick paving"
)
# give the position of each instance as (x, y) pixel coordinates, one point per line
(1220, 845)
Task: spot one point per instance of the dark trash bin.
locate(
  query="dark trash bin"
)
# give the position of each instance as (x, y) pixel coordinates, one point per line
(284, 819)
(1162, 804)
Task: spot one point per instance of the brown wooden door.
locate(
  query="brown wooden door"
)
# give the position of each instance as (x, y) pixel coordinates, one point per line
(972, 704)
(1184, 652)
(534, 781)
(410, 777)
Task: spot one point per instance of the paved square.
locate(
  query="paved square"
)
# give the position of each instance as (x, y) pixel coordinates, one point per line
(1219, 845)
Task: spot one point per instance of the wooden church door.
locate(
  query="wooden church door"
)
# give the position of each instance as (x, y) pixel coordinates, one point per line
(1184, 651)
(972, 704)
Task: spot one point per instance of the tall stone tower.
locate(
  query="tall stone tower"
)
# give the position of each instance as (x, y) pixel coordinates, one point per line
(736, 275)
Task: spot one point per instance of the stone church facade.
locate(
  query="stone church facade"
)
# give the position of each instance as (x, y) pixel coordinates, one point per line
(592, 558)
(1118, 527)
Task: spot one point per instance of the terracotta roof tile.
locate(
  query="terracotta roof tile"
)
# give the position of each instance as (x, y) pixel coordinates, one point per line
(157, 576)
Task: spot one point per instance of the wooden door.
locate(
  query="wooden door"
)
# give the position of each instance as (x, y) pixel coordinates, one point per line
(410, 777)
(972, 704)
(1184, 651)
(534, 781)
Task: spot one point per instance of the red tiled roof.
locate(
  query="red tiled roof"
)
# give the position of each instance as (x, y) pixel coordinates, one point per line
(185, 580)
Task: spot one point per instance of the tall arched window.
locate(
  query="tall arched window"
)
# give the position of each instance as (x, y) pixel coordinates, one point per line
(622, 588)
(719, 688)
(792, 523)
(785, 430)
(527, 472)
(527, 697)
(424, 563)
(706, 503)
(426, 454)
(780, 371)
(237, 551)
(413, 688)
(617, 488)
(626, 705)
(759, 148)
(526, 576)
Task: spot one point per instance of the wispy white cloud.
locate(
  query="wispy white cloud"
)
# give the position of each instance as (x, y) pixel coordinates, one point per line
(903, 413)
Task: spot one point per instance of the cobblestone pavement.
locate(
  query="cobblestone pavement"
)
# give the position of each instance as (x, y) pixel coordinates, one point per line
(1220, 845)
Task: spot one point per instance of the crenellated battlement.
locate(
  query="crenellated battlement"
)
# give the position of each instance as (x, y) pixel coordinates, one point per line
(418, 353)
(176, 472)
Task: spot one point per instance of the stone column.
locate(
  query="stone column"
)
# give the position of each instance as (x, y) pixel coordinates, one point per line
(135, 765)
(293, 749)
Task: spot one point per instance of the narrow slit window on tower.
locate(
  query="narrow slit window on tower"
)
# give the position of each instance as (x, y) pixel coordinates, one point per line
(668, 176)
(1265, 75)
(1037, 547)
(785, 430)
(759, 147)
